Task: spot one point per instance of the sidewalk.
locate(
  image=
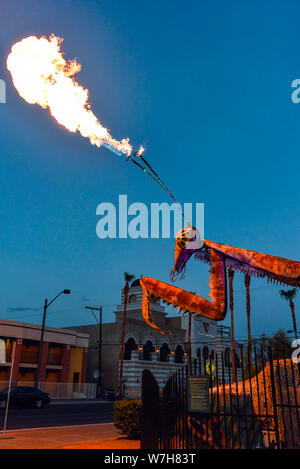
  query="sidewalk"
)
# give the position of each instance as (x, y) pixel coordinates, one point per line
(95, 436)
(79, 401)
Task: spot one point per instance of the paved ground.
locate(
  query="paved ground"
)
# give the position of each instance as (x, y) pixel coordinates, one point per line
(59, 414)
(95, 436)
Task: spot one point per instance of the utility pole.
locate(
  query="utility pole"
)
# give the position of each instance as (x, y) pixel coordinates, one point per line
(247, 284)
(99, 384)
(230, 276)
(122, 349)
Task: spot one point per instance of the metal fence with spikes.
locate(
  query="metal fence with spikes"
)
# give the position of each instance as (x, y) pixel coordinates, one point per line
(258, 410)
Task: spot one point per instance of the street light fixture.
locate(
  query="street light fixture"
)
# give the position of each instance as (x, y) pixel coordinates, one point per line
(46, 304)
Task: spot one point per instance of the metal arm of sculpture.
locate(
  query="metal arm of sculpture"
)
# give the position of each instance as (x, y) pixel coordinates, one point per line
(220, 257)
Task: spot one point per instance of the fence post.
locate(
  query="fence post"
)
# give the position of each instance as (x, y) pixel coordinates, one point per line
(274, 398)
(150, 414)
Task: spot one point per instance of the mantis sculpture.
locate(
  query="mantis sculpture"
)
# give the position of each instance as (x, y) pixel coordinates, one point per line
(220, 257)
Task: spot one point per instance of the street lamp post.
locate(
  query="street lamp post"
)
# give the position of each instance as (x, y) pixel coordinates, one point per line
(46, 305)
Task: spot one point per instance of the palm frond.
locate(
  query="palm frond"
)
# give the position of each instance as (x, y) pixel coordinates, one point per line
(288, 294)
(128, 277)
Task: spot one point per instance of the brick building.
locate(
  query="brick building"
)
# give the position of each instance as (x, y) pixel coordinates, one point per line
(64, 354)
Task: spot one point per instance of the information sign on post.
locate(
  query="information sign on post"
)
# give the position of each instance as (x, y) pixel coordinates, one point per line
(198, 394)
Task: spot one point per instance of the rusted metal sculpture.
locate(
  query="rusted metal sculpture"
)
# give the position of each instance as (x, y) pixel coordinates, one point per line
(220, 257)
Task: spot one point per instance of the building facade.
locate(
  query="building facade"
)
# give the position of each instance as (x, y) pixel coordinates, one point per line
(146, 348)
(63, 359)
(142, 345)
(210, 342)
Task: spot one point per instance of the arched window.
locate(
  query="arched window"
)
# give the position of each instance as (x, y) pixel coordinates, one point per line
(179, 353)
(164, 352)
(205, 353)
(129, 346)
(198, 352)
(147, 350)
(237, 361)
(132, 299)
(212, 354)
(227, 357)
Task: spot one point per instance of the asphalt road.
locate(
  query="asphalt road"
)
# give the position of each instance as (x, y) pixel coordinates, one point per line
(57, 415)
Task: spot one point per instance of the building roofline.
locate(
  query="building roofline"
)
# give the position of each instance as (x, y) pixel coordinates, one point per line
(25, 325)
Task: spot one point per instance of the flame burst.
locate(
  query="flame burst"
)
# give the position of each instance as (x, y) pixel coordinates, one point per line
(140, 151)
(42, 76)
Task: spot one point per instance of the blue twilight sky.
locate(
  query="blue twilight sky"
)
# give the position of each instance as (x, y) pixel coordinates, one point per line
(207, 86)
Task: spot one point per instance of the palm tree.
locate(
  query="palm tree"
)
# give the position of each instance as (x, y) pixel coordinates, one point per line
(189, 345)
(247, 284)
(230, 277)
(128, 278)
(290, 295)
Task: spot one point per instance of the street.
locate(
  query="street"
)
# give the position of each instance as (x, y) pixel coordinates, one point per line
(59, 414)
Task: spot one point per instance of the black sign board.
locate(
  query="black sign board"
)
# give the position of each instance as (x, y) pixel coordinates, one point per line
(198, 394)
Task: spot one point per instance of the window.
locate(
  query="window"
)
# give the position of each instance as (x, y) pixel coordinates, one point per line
(205, 353)
(25, 390)
(179, 353)
(147, 350)
(228, 361)
(227, 357)
(237, 361)
(198, 352)
(129, 346)
(164, 352)
(132, 299)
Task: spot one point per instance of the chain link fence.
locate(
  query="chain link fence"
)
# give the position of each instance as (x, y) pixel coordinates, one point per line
(61, 390)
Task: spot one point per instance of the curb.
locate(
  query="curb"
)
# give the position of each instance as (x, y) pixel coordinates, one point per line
(78, 401)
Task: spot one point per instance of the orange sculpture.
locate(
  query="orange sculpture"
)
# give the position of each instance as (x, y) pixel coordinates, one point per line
(221, 258)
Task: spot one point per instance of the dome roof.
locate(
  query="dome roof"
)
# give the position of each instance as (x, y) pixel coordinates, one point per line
(135, 283)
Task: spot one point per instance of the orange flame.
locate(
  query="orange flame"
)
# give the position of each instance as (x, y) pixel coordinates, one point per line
(140, 151)
(42, 76)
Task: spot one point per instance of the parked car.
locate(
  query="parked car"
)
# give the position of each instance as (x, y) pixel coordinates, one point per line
(25, 396)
